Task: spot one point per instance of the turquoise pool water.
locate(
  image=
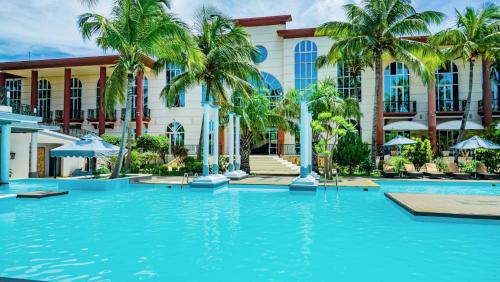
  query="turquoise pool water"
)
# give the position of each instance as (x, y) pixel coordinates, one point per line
(138, 233)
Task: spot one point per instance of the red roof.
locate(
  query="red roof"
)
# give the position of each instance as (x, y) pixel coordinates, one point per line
(297, 33)
(263, 21)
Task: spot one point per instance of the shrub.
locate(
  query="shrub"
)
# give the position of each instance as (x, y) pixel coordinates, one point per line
(490, 158)
(102, 170)
(350, 151)
(419, 154)
(112, 139)
(180, 152)
(367, 165)
(441, 164)
(398, 162)
(469, 166)
(192, 166)
(148, 143)
(223, 163)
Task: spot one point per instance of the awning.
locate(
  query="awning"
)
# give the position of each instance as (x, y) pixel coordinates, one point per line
(405, 125)
(455, 125)
(89, 146)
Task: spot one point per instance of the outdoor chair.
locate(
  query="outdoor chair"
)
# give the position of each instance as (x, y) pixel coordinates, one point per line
(411, 172)
(483, 173)
(432, 171)
(454, 172)
(389, 171)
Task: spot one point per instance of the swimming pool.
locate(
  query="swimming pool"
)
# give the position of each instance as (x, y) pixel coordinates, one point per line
(151, 233)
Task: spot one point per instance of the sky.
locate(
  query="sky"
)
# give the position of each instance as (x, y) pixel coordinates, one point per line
(42, 29)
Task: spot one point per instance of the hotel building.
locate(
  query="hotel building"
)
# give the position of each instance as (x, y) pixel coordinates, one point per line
(68, 91)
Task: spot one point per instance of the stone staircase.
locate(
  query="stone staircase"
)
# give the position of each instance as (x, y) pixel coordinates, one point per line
(272, 165)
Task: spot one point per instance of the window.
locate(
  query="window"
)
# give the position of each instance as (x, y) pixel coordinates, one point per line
(44, 91)
(172, 72)
(274, 90)
(306, 73)
(446, 139)
(447, 88)
(75, 98)
(262, 56)
(396, 88)
(347, 84)
(175, 134)
(144, 97)
(14, 87)
(495, 87)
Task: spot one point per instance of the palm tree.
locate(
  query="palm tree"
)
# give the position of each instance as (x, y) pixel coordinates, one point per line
(136, 29)
(226, 64)
(476, 35)
(257, 116)
(377, 28)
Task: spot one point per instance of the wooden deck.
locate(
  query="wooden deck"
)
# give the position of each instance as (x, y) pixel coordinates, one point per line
(462, 206)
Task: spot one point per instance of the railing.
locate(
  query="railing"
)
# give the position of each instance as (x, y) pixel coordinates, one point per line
(74, 116)
(78, 132)
(450, 105)
(494, 105)
(24, 109)
(145, 114)
(93, 115)
(289, 149)
(400, 106)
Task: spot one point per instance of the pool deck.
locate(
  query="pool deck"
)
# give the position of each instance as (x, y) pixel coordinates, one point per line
(447, 205)
(265, 180)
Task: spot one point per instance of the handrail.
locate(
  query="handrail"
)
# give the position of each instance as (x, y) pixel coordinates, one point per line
(186, 176)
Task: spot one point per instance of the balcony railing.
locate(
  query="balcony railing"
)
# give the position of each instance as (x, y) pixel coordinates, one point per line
(75, 116)
(146, 114)
(395, 107)
(450, 105)
(24, 109)
(93, 115)
(494, 105)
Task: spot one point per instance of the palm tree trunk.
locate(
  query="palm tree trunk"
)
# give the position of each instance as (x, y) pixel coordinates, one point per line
(126, 124)
(128, 161)
(245, 149)
(378, 110)
(487, 99)
(200, 140)
(465, 117)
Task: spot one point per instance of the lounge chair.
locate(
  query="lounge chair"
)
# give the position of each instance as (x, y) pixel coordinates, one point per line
(411, 172)
(389, 172)
(482, 171)
(432, 171)
(454, 172)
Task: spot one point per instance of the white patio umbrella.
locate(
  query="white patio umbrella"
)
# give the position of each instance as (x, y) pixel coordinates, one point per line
(474, 143)
(400, 141)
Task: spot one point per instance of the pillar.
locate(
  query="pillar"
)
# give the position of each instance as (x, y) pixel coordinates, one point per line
(380, 108)
(487, 98)
(309, 140)
(206, 133)
(33, 155)
(67, 100)
(281, 142)
(431, 114)
(215, 141)
(34, 88)
(2, 79)
(102, 113)
(303, 139)
(237, 159)
(139, 104)
(221, 141)
(231, 142)
(5, 154)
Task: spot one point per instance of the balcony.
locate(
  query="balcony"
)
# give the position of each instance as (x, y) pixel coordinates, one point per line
(494, 105)
(450, 107)
(75, 116)
(93, 118)
(146, 115)
(400, 109)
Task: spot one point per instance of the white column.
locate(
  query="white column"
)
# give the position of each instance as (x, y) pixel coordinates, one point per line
(206, 133)
(237, 145)
(231, 142)
(309, 140)
(303, 139)
(5, 154)
(33, 154)
(215, 139)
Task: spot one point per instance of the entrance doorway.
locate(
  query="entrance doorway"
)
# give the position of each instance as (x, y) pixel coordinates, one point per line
(270, 147)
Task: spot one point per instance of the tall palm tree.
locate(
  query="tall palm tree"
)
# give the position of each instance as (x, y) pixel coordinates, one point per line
(226, 64)
(476, 35)
(377, 28)
(135, 30)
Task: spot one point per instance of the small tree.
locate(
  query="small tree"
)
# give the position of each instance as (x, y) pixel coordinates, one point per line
(351, 151)
(420, 153)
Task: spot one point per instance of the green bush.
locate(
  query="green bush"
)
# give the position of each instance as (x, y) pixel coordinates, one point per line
(180, 152)
(441, 165)
(398, 163)
(350, 151)
(420, 153)
(367, 165)
(102, 170)
(223, 163)
(112, 139)
(469, 166)
(148, 143)
(192, 166)
(490, 158)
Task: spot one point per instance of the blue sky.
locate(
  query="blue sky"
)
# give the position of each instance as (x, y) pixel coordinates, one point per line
(38, 29)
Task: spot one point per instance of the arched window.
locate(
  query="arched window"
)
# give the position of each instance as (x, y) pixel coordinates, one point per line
(175, 134)
(173, 71)
(396, 88)
(447, 88)
(14, 87)
(495, 87)
(347, 84)
(44, 91)
(75, 98)
(306, 73)
(274, 90)
(145, 95)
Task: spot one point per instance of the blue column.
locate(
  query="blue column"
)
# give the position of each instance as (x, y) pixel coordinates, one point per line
(231, 142)
(237, 145)
(303, 139)
(5, 154)
(215, 149)
(206, 144)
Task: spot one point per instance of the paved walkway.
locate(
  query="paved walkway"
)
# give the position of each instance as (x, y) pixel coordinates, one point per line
(465, 206)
